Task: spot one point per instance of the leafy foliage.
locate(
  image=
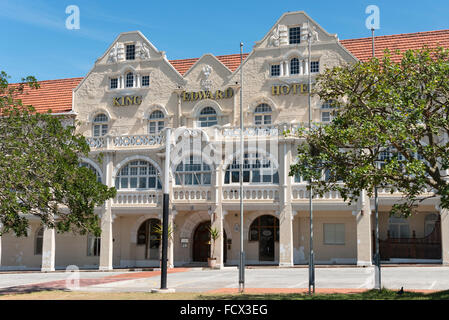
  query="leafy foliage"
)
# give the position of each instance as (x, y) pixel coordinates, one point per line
(39, 169)
(390, 129)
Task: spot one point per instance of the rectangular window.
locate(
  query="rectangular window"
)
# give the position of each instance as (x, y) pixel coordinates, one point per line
(145, 81)
(275, 70)
(114, 83)
(314, 67)
(294, 34)
(325, 116)
(130, 52)
(334, 233)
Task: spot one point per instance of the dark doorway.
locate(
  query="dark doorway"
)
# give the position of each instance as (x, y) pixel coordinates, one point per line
(148, 236)
(265, 230)
(225, 247)
(201, 242)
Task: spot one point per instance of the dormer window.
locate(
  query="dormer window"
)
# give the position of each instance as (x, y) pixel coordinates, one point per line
(129, 81)
(294, 66)
(114, 83)
(130, 52)
(294, 35)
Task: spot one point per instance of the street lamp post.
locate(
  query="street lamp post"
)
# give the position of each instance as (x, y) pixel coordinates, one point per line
(242, 252)
(311, 253)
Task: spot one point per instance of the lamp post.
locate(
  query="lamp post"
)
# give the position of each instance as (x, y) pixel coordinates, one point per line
(242, 252)
(311, 253)
(165, 210)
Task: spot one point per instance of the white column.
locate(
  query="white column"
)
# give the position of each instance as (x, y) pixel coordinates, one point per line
(444, 236)
(106, 243)
(285, 217)
(171, 221)
(217, 249)
(287, 68)
(301, 67)
(306, 66)
(48, 250)
(364, 233)
(281, 69)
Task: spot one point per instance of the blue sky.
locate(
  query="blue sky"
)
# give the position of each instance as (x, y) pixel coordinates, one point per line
(36, 42)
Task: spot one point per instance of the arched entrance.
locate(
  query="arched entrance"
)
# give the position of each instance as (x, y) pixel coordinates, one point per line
(148, 236)
(265, 230)
(201, 243)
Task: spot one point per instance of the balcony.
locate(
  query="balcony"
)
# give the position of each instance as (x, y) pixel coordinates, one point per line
(125, 141)
(192, 194)
(262, 193)
(136, 198)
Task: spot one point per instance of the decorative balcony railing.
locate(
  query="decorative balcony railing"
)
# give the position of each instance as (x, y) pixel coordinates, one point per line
(300, 192)
(251, 193)
(262, 130)
(192, 193)
(125, 141)
(138, 197)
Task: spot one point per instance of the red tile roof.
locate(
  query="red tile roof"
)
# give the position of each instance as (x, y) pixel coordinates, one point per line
(57, 94)
(362, 48)
(52, 94)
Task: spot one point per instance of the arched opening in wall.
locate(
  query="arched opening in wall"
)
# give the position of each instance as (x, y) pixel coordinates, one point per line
(265, 230)
(149, 236)
(201, 243)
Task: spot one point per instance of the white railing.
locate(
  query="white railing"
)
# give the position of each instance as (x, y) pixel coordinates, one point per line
(192, 193)
(300, 192)
(96, 142)
(262, 130)
(257, 193)
(126, 141)
(137, 197)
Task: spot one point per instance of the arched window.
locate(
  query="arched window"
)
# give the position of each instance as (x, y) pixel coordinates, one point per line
(294, 66)
(208, 117)
(429, 223)
(129, 81)
(262, 226)
(256, 169)
(193, 171)
(138, 175)
(147, 235)
(91, 167)
(100, 126)
(156, 122)
(262, 114)
(398, 227)
(39, 241)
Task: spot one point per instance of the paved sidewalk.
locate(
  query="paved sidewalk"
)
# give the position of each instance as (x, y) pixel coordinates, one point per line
(260, 280)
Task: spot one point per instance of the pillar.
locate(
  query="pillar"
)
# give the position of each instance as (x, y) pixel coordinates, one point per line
(364, 238)
(286, 215)
(48, 250)
(216, 221)
(444, 236)
(106, 243)
(171, 221)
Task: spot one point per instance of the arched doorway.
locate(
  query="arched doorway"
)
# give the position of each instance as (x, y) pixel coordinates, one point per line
(201, 243)
(147, 235)
(265, 230)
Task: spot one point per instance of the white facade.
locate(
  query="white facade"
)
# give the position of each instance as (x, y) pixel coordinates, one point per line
(133, 92)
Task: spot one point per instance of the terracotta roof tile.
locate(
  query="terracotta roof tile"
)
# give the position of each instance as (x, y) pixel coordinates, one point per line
(57, 94)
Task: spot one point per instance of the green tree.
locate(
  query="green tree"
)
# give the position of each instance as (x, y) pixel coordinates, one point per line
(396, 112)
(40, 173)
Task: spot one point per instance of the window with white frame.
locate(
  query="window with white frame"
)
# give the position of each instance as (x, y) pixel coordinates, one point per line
(39, 242)
(146, 81)
(294, 66)
(334, 233)
(138, 174)
(114, 83)
(398, 227)
(100, 125)
(129, 80)
(130, 52)
(294, 35)
(314, 67)
(256, 169)
(326, 111)
(193, 171)
(93, 245)
(156, 122)
(262, 114)
(275, 70)
(91, 167)
(208, 117)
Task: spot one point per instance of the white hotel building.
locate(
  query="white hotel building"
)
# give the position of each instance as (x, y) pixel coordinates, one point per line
(133, 92)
